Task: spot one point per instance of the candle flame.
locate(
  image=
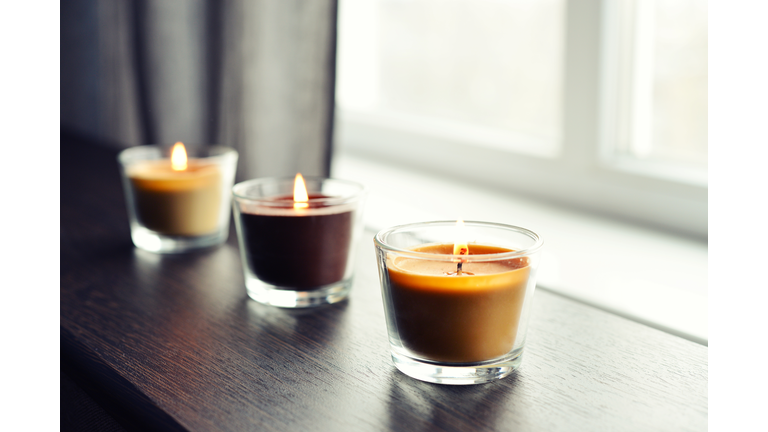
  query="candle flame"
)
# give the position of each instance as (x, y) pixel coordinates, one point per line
(460, 247)
(300, 197)
(178, 157)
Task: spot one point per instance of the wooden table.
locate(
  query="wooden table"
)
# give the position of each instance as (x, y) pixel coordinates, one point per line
(173, 343)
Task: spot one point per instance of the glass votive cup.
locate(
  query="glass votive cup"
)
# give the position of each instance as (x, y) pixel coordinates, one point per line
(175, 211)
(296, 257)
(452, 324)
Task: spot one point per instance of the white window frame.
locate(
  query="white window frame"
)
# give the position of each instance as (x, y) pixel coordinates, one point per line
(585, 175)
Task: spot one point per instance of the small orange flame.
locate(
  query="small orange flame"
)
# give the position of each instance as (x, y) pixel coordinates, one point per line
(460, 246)
(300, 197)
(178, 157)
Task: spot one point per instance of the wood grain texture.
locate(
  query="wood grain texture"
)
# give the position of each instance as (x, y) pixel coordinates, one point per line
(175, 343)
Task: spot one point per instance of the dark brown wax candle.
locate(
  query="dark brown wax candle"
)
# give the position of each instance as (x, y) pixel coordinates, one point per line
(303, 249)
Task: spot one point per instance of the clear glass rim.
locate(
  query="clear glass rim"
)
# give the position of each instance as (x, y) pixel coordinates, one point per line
(379, 240)
(131, 154)
(238, 191)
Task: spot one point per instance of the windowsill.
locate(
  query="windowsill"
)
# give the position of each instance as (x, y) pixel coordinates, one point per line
(642, 274)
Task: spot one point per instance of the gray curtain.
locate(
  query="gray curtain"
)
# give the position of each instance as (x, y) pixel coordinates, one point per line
(256, 75)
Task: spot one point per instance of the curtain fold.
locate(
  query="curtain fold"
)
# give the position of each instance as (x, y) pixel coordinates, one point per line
(256, 75)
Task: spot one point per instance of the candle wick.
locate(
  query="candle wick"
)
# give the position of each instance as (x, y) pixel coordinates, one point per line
(458, 272)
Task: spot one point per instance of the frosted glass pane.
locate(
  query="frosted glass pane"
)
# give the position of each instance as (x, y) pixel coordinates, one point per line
(680, 81)
(493, 64)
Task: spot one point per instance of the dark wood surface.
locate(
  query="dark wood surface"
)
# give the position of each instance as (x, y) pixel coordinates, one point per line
(173, 343)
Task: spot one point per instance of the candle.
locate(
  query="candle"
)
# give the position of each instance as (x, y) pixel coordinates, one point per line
(296, 247)
(178, 203)
(177, 197)
(464, 318)
(457, 299)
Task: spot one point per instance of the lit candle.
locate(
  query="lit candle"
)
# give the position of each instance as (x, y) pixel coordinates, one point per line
(179, 197)
(178, 203)
(459, 303)
(297, 242)
(458, 315)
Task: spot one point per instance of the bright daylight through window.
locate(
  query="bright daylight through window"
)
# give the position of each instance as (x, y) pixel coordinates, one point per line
(599, 105)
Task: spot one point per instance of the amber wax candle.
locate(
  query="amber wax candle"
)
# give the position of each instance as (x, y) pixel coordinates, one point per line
(178, 203)
(457, 312)
(461, 318)
(182, 202)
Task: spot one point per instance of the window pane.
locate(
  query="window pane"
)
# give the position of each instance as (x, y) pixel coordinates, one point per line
(494, 64)
(661, 91)
(680, 81)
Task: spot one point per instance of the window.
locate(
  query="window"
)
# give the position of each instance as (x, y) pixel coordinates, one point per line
(599, 105)
(456, 68)
(655, 94)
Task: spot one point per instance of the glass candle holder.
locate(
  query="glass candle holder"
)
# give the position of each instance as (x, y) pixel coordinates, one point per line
(174, 210)
(298, 254)
(457, 319)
